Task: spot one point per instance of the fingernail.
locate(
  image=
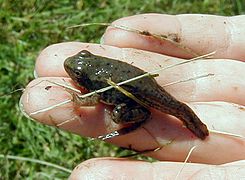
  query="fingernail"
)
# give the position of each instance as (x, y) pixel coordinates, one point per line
(35, 74)
(102, 39)
(22, 109)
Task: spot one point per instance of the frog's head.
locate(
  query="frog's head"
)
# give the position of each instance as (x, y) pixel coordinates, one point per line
(77, 67)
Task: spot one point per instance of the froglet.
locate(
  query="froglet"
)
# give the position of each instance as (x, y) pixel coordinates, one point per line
(92, 71)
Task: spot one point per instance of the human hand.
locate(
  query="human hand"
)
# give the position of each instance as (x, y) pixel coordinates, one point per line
(218, 100)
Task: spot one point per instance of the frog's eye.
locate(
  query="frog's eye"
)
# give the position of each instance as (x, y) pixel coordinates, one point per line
(78, 73)
(85, 53)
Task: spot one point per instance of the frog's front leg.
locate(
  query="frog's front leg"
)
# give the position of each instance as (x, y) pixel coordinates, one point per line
(87, 101)
(133, 115)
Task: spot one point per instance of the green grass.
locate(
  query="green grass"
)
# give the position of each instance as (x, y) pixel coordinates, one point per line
(26, 27)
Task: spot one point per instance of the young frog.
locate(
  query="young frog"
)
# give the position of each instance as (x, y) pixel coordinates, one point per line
(92, 71)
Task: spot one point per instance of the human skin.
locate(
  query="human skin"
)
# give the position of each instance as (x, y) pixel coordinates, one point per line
(218, 100)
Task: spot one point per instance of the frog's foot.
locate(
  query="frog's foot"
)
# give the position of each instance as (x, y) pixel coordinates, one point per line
(121, 131)
(133, 114)
(141, 152)
(137, 152)
(86, 101)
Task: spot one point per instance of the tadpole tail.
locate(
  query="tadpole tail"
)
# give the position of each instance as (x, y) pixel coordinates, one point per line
(191, 120)
(166, 103)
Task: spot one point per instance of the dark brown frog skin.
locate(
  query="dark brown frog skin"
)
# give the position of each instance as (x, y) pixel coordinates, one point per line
(92, 71)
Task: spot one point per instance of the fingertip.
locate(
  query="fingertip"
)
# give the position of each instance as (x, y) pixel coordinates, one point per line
(209, 33)
(40, 94)
(43, 101)
(118, 168)
(111, 168)
(51, 59)
(126, 34)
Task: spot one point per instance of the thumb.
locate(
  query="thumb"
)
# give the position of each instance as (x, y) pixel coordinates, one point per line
(119, 168)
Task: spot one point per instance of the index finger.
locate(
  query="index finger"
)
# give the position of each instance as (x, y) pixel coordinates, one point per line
(199, 33)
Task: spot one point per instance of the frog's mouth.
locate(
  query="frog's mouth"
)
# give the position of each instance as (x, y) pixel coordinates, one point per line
(69, 68)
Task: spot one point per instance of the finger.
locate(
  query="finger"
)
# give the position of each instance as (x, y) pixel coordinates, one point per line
(200, 33)
(51, 59)
(113, 168)
(227, 84)
(160, 129)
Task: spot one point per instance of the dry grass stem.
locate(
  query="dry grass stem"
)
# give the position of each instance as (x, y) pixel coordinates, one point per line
(227, 133)
(185, 162)
(36, 161)
(124, 82)
(189, 79)
(144, 33)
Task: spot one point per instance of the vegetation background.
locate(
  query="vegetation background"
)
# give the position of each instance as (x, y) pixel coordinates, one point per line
(26, 27)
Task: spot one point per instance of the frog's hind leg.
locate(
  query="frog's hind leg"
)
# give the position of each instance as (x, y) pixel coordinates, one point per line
(86, 101)
(129, 113)
(133, 115)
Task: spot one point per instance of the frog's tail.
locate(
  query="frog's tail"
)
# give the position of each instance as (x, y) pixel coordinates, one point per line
(191, 120)
(166, 103)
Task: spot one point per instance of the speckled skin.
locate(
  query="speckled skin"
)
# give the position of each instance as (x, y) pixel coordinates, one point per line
(91, 71)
